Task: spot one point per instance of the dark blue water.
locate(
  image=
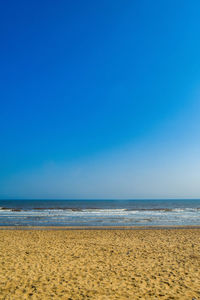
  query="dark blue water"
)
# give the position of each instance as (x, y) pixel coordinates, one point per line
(99, 212)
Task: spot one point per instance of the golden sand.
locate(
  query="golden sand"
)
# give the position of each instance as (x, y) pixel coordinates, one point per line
(100, 264)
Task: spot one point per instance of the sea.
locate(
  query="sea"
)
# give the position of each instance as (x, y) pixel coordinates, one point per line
(99, 213)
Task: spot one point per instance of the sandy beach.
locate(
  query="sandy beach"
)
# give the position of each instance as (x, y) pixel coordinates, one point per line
(100, 264)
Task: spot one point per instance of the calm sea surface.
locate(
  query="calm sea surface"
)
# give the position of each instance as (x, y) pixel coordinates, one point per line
(99, 212)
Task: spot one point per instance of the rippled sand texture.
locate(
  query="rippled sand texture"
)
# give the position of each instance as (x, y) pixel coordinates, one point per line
(105, 264)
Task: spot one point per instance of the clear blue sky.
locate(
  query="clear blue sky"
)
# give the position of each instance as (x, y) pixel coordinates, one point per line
(99, 99)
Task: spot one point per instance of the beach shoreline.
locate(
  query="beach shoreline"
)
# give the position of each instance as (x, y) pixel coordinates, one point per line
(156, 227)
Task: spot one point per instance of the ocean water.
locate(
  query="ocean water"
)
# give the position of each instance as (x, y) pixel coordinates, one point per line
(99, 212)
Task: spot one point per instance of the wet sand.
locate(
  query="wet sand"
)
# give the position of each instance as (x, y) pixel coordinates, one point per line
(100, 264)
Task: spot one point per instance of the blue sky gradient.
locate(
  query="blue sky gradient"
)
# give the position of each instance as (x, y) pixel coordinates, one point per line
(100, 99)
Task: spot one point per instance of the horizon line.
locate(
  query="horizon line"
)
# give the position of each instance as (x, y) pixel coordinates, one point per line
(98, 199)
